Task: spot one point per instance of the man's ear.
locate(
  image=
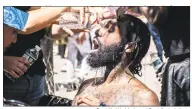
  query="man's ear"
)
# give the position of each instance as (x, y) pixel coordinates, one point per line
(130, 47)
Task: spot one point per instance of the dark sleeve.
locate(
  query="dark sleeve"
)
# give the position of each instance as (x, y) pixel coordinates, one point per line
(185, 85)
(182, 79)
(186, 88)
(51, 100)
(23, 8)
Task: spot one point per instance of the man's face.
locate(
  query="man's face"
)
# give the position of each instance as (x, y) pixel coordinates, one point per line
(9, 36)
(107, 47)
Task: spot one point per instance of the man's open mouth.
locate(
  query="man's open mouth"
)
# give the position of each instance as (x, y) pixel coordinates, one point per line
(95, 44)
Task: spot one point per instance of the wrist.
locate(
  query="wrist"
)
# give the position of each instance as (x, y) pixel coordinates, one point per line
(66, 9)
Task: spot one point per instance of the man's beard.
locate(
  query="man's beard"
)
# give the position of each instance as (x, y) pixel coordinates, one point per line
(106, 55)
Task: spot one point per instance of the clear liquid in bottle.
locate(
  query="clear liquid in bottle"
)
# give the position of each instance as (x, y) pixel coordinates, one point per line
(31, 55)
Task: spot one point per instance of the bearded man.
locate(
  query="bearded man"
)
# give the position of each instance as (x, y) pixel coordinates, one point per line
(120, 46)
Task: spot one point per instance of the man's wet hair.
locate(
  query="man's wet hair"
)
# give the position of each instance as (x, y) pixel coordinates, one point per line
(133, 29)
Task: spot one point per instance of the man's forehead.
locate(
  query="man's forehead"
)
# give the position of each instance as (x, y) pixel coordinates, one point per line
(106, 21)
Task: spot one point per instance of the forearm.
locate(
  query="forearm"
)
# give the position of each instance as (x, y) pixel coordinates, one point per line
(51, 100)
(34, 8)
(40, 18)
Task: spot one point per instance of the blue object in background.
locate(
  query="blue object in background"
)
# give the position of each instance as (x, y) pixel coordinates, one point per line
(14, 17)
(157, 40)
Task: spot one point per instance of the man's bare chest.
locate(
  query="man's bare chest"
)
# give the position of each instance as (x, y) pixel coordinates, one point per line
(111, 94)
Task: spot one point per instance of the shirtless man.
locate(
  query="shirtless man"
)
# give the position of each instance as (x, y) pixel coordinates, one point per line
(119, 46)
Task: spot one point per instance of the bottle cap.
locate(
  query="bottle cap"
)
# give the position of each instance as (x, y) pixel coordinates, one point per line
(37, 48)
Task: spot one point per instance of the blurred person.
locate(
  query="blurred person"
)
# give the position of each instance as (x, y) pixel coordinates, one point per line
(173, 24)
(30, 22)
(62, 44)
(12, 26)
(77, 50)
(29, 87)
(120, 46)
(78, 43)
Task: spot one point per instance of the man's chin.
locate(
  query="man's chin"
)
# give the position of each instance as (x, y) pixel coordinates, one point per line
(105, 56)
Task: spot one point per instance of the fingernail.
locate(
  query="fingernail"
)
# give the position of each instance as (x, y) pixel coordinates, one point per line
(71, 34)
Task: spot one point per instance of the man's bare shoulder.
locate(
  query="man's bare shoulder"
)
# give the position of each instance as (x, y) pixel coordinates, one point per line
(87, 83)
(146, 97)
(143, 95)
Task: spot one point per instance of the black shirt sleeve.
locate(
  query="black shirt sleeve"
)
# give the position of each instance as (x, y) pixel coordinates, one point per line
(23, 8)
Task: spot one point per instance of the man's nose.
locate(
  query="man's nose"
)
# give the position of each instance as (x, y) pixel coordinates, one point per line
(97, 33)
(15, 39)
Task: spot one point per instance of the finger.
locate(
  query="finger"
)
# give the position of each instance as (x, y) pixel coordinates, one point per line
(85, 100)
(18, 71)
(82, 104)
(70, 32)
(86, 30)
(92, 98)
(79, 30)
(82, 15)
(77, 98)
(24, 61)
(22, 67)
(82, 36)
(13, 74)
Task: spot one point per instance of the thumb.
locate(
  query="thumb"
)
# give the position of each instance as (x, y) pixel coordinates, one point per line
(70, 32)
(82, 15)
(82, 34)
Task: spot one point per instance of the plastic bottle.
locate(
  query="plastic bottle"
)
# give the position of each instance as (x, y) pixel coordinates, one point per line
(72, 20)
(155, 61)
(31, 55)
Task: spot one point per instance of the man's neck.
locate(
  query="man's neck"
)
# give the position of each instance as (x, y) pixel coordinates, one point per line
(108, 70)
(116, 73)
